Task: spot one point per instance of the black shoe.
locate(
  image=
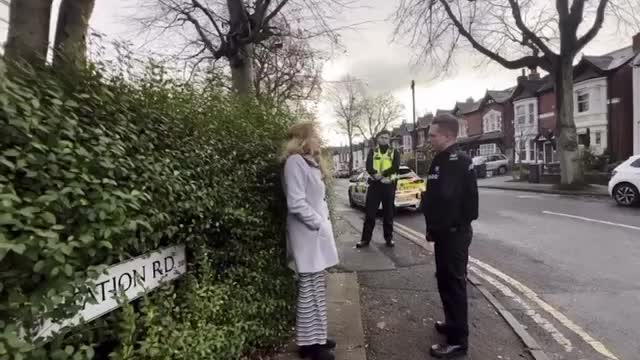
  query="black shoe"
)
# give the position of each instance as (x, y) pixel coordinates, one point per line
(390, 243)
(439, 351)
(306, 351)
(316, 352)
(441, 327)
(362, 244)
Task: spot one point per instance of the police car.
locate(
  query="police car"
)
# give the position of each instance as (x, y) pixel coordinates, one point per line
(409, 189)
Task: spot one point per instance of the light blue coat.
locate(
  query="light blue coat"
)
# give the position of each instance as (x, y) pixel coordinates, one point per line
(311, 246)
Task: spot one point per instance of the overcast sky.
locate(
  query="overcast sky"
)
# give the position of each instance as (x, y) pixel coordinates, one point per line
(371, 56)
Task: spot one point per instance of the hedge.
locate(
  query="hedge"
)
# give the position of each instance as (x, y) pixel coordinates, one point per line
(95, 170)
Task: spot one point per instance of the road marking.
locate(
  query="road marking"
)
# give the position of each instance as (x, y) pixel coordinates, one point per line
(592, 220)
(596, 345)
(534, 315)
(531, 295)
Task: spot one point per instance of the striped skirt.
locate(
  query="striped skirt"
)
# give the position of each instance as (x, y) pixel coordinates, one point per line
(311, 317)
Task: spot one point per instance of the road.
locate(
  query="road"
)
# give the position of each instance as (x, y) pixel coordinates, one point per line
(567, 267)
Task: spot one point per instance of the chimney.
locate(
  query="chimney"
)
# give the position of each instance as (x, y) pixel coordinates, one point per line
(636, 43)
(534, 74)
(522, 77)
(469, 100)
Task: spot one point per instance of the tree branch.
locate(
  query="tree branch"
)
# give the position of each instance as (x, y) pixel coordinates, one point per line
(597, 25)
(206, 11)
(528, 34)
(527, 61)
(275, 12)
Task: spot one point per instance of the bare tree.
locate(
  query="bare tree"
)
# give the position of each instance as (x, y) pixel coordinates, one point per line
(347, 98)
(378, 112)
(28, 36)
(70, 47)
(231, 29)
(535, 33)
(288, 70)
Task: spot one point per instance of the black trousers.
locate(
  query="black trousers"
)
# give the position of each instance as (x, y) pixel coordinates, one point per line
(377, 193)
(452, 257)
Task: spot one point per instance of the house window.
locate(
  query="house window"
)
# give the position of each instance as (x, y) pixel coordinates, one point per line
(487, 149)
(406, 142)
(532, 150)
(583, 101)
(421, 138)
(521, 114)
(492, 122)
(550, 155)
(522, 154)
(531, 114)
(598, 137)
(462, 132)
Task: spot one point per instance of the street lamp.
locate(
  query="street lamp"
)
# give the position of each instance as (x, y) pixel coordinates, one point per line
(415, 128)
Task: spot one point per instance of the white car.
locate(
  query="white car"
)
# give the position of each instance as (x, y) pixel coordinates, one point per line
(497, 164)
(408, 191)
(625, 182)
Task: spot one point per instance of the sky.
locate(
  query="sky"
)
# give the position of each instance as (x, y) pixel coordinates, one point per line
(370, 55)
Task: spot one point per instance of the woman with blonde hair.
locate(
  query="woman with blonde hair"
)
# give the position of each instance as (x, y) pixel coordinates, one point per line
(311, 248)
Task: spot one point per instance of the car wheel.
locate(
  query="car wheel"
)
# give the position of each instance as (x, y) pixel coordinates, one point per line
(351, 202)
(502, 170)
(625, 194)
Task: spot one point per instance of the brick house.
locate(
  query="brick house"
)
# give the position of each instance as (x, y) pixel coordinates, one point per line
(528, 98)
(603, 97)
(487, 124)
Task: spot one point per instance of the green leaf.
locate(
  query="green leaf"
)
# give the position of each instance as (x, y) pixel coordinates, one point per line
(16, 248)
(7, 219)
(55, 271)
(28, 211)
(7, 163)
(68, 270)
(59, 257)
(106, 244)
(48, 217)
(11, 153)
(86, 238)
(39, 266)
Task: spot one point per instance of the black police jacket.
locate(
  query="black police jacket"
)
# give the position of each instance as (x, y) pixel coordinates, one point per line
(451, 199)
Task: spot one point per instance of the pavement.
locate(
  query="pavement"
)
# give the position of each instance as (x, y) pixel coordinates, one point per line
(508, 183)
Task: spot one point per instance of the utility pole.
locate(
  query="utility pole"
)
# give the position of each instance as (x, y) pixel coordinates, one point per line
(415, 128)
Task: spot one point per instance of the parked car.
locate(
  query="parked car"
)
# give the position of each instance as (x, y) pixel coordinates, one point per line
(497, 164)
(624, 184)
(408, 191)
(342, 173)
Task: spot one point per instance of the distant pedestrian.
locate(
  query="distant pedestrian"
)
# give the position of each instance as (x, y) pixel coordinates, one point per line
(311, 248)
(383, 163)
(450, 205)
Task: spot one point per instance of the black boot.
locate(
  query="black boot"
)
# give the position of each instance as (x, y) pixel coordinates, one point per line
(362, 244)
(390, 243)
(306, 351)
(445, 351)
(316, 352)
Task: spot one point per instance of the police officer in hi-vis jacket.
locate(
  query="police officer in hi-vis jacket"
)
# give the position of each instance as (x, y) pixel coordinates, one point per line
(382, 165)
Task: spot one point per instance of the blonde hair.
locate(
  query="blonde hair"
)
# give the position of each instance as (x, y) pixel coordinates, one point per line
(299, 142)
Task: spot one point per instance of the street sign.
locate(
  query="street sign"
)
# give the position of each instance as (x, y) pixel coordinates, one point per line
(131, 279)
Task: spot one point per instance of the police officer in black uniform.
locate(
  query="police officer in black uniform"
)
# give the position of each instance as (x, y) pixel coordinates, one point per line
(383, 163)
(450, 204)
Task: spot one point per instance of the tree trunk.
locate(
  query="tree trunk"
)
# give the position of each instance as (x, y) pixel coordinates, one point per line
(71, 33)
(242, 75)
(350, 136)
(28, 38)
(567, 140)
(240, 55)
